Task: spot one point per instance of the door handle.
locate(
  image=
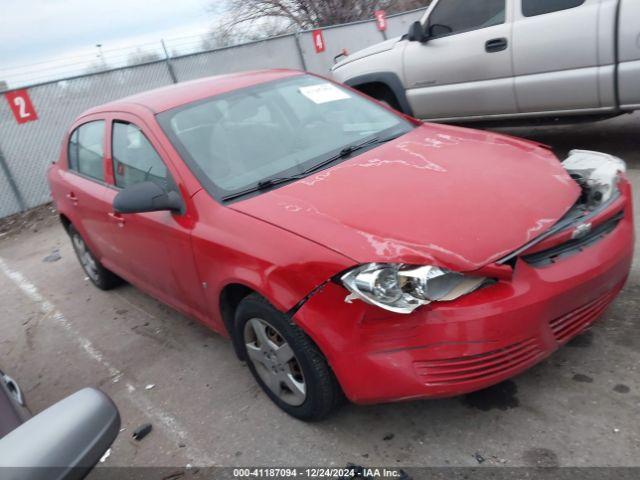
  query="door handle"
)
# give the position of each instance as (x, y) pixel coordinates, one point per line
(119, 219)
(72, 197)
(496, 45)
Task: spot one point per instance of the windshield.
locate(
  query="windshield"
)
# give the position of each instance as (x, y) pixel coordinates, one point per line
(235, 141)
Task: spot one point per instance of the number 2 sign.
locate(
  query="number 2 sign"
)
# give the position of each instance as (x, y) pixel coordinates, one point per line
(21, 106)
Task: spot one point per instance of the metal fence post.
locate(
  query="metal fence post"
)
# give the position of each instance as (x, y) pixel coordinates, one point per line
(12, 183)
(300, 53)
(167, 60)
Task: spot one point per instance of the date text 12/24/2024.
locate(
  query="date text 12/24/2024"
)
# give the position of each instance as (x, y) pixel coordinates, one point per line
(319, 472)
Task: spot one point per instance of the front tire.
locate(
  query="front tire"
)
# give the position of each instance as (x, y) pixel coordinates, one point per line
(285, 362)
(101, 277)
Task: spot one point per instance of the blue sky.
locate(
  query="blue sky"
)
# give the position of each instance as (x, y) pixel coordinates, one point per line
(33, 31)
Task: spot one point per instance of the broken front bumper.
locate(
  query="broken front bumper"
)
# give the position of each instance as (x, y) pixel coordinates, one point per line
(448, 349)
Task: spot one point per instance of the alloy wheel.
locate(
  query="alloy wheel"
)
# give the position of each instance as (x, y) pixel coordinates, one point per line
(86, 259)
(275, 362)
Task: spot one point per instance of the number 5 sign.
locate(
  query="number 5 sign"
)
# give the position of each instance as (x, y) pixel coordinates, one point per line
(21, 106)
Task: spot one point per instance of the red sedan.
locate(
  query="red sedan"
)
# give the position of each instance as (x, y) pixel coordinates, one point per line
(346, 249)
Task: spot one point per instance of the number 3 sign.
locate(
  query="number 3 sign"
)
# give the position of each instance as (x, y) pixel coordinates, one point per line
(21, 106)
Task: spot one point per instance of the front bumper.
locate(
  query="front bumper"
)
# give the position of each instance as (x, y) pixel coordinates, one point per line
(479, 340)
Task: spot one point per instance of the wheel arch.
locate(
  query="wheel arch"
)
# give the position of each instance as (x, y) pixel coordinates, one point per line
(66, 222)
(232, 295)
(388, 80)
(228, 301)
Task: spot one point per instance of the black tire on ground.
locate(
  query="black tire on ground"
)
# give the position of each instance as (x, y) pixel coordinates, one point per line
(101, 277)
(323, 393)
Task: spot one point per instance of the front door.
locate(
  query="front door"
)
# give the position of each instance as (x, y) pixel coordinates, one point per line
(555, 56)
(464, 69)
(155, 247)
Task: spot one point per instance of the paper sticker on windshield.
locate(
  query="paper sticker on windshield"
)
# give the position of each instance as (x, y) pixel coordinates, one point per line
(323, 93)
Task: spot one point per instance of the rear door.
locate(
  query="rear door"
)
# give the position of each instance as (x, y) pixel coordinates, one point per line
(83, 183)
(464, 69)
(555, 55)
(153, 249)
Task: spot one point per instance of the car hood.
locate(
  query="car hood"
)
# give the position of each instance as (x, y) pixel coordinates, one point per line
(365, 52)
(442, 195)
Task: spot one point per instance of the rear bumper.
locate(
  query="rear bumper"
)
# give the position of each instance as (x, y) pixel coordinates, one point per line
(476, 341)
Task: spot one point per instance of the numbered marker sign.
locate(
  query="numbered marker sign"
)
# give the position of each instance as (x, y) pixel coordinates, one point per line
(318, 41)
(21, 106)
(381, 20)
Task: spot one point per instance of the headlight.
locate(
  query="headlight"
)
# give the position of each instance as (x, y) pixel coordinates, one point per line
(597, 173)
(403, 288)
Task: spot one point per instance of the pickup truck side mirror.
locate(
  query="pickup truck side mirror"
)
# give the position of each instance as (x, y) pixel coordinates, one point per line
(438, 30)
(64, 442)
(417, 33)
(147, 197)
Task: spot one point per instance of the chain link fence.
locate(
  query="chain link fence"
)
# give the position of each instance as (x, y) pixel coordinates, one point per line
(27, 149)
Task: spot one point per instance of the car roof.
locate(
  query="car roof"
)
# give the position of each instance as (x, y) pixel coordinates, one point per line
(172, 96)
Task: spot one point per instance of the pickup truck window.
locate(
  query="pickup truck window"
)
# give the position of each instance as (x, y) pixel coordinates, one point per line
(450, 17)
(532, 8)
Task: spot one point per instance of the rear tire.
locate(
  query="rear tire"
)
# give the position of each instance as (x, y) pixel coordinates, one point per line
(286, 363)
(101, 277)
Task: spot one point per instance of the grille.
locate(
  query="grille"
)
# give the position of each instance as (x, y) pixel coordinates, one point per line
(476, 367)
(551, 255)
(566, 327)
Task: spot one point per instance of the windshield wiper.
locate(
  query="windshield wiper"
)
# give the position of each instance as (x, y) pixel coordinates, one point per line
(345, 152)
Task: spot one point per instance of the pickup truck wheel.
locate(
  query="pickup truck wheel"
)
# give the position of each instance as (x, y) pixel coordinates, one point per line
(382, 93)
(287, 365)
(99, 276)
(389, 99)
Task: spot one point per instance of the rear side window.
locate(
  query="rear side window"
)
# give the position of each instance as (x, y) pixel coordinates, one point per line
(86, 150)
(456, 16)
(134, 158)
(532, 8)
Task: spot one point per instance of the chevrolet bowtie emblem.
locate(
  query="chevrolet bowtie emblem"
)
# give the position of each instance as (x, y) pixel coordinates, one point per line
(581, 231)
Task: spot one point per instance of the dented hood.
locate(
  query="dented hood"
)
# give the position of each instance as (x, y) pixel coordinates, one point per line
(455, 197)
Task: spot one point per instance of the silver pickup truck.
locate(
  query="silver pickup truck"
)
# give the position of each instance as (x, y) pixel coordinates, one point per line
(497, 60)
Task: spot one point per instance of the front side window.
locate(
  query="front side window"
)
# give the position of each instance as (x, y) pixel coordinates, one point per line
(134, 158)
(283, 128)
(456, 16)
(86, 150)
(532, 8)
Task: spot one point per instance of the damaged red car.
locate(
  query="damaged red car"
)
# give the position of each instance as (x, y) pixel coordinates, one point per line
(345, 248)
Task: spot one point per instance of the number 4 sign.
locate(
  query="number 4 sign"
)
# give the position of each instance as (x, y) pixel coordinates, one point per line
(21, 106)
(318, 41)
(381, 20)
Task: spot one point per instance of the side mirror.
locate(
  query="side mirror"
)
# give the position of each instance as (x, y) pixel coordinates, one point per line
(147, 197)
(64, 442)
(439, 30)
(417, 33)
